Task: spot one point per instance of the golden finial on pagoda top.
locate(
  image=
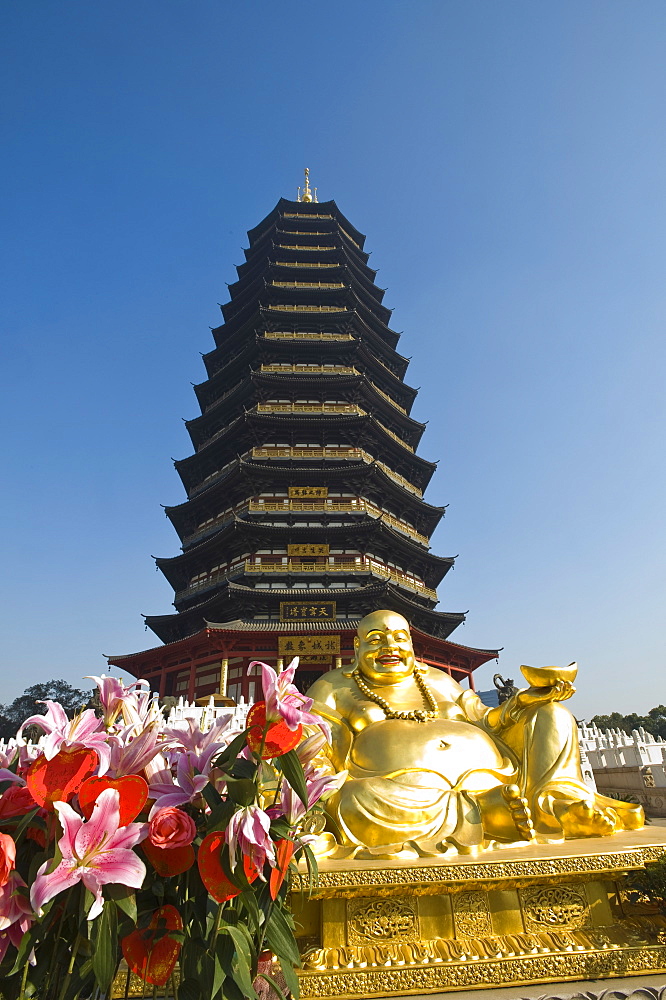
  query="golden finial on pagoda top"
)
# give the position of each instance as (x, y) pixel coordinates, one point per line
(307, 195)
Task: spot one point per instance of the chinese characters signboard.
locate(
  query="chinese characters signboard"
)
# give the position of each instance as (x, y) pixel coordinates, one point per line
(307, 550)
(298, 611)
(304, 645)
(307, 492)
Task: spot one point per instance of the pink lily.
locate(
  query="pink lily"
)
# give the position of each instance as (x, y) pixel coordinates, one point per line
(187, 734)
(310, 747)
(322, 785)
(16, 914)
(191, 779)
(112, 693)
(129, 753)
(248, 833)
(284, 702)
(84, 730)
(96, 853)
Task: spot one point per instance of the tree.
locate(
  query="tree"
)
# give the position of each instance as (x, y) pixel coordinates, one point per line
(11, 716)
(654, 722)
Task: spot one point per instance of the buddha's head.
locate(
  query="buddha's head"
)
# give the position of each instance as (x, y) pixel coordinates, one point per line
(383, 650)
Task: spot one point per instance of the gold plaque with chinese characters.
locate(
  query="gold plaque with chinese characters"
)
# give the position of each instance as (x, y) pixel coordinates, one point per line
(302, 645)
(300, 611)
(307, 549)
(305, 492)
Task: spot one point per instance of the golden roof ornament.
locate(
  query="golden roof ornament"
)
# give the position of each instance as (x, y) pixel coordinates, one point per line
(308, 195)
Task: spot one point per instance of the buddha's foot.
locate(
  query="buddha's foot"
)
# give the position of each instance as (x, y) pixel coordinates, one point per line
(505, 814)
(587, 819)
(520, 811)
(631, 814)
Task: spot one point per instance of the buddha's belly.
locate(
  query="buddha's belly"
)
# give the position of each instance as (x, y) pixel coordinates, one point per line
(447, 747)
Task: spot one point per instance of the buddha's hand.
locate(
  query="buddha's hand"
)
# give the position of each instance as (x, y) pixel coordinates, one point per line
(559, 691)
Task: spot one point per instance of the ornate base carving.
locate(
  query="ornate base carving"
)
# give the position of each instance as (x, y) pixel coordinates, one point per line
(522, 915)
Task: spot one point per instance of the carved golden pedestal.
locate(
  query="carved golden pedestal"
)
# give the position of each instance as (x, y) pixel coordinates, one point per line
(521, 915)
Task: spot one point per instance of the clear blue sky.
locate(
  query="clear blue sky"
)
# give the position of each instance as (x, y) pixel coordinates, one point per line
(507, 161)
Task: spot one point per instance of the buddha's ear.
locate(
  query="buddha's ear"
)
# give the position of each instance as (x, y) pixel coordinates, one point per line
(356, 643)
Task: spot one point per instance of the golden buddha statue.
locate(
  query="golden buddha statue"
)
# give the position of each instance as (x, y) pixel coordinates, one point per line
(431, 769)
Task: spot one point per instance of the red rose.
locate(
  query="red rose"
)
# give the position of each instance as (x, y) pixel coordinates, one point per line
(171, 827)
(7, 857)
(16, 801)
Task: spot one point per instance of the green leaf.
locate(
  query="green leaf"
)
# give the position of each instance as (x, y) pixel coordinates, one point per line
(105, 952)
(290, 977)
(293, 771)
(313, 868)
(189, 989)
(242, 958)
(231, 990)
(280, 829)
(218, 977)
(230, 752)
(124, 898)
(241, 790)
(28, 819)
(211, 795)
(280, 936)
(248, 901)
(220, 816)
(242, 768)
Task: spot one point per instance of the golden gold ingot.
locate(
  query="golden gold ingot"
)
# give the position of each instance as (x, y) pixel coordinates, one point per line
(540, 677)
(432, 770)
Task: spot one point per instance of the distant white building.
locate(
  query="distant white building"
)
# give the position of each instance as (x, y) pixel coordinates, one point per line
(631, 766)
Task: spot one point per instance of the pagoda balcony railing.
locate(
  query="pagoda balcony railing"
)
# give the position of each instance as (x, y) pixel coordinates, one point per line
(306, 369)
(304, 215)
(326, 408)
(360, 565)
(302, 232)
(336, 507)
(305, 263)
(299, 246)
(309, 284)
(386, 396)
(298, 335)
(284, 451)
(365, 565)
(351, 240)
(310, 408)
(279, 307)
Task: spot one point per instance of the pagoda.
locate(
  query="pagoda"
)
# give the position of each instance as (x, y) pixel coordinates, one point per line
(304, 507)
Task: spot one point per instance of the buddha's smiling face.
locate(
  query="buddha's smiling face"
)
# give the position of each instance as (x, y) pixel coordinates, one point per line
(384, 651)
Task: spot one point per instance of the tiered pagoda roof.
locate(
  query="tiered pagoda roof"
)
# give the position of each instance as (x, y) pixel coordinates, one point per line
(304, 484)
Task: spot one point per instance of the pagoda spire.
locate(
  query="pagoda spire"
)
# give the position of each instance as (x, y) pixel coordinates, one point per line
(308, 195)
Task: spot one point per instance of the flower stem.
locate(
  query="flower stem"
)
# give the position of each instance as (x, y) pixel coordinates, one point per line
(24, 978)
(216, 928)
(70, 967)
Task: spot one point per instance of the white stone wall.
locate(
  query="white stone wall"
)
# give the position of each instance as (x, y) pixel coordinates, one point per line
(629, 765)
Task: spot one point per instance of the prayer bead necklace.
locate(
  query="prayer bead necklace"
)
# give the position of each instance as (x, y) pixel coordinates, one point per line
(417, 714)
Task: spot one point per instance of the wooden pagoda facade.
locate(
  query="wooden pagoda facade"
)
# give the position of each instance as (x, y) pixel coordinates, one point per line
(304, 506)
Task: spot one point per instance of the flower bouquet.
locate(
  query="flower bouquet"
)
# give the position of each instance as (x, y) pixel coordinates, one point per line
(167, 848)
